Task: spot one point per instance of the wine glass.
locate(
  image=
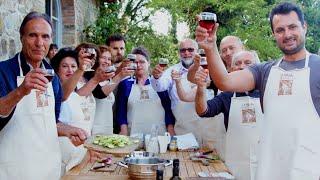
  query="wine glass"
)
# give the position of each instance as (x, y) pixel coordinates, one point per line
(133, 66)
(163, 62)
(207, 20)
(202, 53)
(49, 74)
(204, 65)
(92, 56)
(110, 69)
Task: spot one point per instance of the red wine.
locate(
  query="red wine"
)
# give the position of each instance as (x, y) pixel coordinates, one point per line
(110, 70)
(49, 77)
(163, 65)
(204, 66)
(92, 56)
(208, 24)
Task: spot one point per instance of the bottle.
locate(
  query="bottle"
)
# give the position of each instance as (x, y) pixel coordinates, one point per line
(159, 174)
(175, 170)
(173, 144)
(153, 144)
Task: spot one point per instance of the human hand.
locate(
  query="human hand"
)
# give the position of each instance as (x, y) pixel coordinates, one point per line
(95, 156)
(157, 71)
(201, 77)
(34, 80)
(101, 75)
(124, 72)
(176, 75)
(76, 135)
(84, 61)
(205, 39)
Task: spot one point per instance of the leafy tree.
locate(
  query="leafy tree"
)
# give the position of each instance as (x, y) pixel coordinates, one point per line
(130, 19)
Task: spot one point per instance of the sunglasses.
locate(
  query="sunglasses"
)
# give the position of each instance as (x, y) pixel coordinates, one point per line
(183, 50)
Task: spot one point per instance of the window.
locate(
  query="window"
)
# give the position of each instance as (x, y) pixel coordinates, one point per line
(53, 9)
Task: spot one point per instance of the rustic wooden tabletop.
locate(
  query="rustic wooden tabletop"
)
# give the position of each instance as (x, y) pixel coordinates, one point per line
(188, 169)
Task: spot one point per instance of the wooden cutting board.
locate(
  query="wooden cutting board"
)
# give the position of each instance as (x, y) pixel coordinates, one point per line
(118, 152)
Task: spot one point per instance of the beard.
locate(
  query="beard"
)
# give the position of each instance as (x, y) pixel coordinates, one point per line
(295, 50)
(186, 62)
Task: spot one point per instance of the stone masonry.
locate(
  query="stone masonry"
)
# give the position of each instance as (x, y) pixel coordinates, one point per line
(76, 15)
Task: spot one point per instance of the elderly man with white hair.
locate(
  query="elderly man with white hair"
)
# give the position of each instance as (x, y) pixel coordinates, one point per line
(162, 81)
(242, 133)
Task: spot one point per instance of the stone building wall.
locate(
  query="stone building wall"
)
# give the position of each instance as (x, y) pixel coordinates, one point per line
(12, 13)
(76, 15)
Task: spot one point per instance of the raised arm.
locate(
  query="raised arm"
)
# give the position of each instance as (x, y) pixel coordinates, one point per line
(239, 81)
(33, 80)
(186, 96)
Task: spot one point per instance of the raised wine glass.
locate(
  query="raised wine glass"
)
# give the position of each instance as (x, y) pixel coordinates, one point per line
(207, 20)
(92, 57)
(204, 65)
(163, 62)
(49, 74)
(133, 66)
(110, 69)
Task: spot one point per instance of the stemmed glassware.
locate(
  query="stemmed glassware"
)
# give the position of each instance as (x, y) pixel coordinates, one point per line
(92, 56)
(163, 62)
(49, 74)
(207, 20)
(133, 66)
(110, 69)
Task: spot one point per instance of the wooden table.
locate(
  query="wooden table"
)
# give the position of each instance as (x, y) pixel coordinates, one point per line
(188, 169)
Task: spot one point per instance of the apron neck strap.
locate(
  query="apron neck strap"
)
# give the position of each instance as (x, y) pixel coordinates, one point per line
(19, 63)
(306, 63)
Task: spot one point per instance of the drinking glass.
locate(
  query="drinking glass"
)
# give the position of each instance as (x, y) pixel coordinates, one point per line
(163, 62)
(110, 69)
(49, 74)
(92, 56)
(204, 65)
(133, 66)
(207, 20)
(202, 53)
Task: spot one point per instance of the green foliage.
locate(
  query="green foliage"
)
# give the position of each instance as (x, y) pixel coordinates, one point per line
(247, 19)
(128, 19)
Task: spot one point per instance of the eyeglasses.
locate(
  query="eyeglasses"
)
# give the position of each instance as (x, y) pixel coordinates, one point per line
(183, 50)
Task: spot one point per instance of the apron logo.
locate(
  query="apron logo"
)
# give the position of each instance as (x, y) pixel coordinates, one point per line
(144, 94)
(42, 99)
(285, 84)
(248, 113)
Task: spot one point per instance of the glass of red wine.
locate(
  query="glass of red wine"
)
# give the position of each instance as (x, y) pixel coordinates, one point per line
(49, 74)
(163, 62)
(110, 69)
(133, 66)
(92, 56)
(208, 20)
(204, 65)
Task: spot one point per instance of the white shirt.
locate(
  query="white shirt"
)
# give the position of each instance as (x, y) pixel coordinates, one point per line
(165, 82)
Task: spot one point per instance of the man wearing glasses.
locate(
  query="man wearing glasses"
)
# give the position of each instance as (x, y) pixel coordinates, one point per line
(162, 81)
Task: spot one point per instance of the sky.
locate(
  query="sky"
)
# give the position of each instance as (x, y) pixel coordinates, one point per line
(161, 24)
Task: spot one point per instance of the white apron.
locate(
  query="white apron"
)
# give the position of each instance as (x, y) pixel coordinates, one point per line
(290, 140)
(187, 120)
(82, 115)
(242, 138)
(144, 110)
(103, 120)
(29, 147)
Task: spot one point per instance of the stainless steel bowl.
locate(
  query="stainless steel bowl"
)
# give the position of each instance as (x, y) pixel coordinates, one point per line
(144, 167)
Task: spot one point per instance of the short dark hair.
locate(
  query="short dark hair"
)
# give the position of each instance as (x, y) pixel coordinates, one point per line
(142, 51)
(53, 46)
(33, 15)
(115, 37)
(286, 8)
(61, 54)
